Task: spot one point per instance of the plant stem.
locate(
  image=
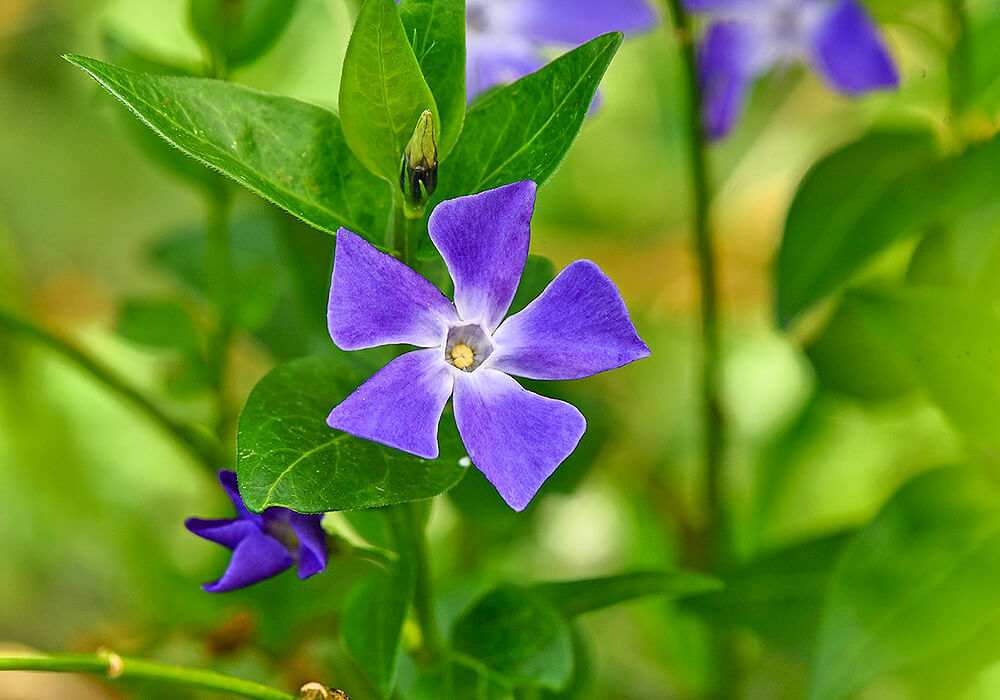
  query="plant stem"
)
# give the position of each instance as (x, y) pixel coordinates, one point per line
(714, 418)
(219, 269)
(200, 446)
(113, 666)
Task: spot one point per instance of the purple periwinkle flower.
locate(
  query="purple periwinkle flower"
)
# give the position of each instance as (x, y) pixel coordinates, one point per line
(507, 39)
(263, 545)
(577, 327)
(749, 37)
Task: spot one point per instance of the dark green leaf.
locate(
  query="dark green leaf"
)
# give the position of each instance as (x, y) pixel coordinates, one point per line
(287, 151)
(849, 207)
(524, 130)
(779, 596)
(288, 456)
(382, 91)
(918, 580)
(436, 29)
(519, 635)
(461, 679)
(538, 272)
(240, 31)
(158, 323)
(573, 598)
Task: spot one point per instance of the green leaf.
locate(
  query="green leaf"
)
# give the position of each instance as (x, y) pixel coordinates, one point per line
(538, 273)
(289, 152)
(951, 343)
(158, 323)
(849, 207)
(572, 598)
(523, 131)
(461, 679)
(436, 30)
(240, 31)
(382, 91)
(289, 457)
(918, 580)
(519, 635)
(779, 595)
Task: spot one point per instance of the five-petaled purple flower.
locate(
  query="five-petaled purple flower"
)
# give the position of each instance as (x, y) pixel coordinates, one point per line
(507, 39)
(577, 327)
(263, 545)
(751, 36)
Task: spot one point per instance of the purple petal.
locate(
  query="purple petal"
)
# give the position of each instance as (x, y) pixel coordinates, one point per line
(717, 5)
(515, 437)
(377, 300)
(227, 532)
(483, 239)
(255, 558)
(228, 480)
(575, 22)
(489, 63)
(401, 405)
(850, 53)
(726, 63)
(577, 327)
(313, 553)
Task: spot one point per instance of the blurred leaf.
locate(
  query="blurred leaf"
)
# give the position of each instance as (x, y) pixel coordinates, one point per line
(523, 131)
(158, 323)
(779, 596)
(918, 580)
(849, 207)
(436, 29)
(287, 151)
(538, 272)
(582, 682)
(461, 679)
(951, 342)
(519, 635)
(974, 62)
(573, 598)
(240, 31)
(288, 456)
(382, 91)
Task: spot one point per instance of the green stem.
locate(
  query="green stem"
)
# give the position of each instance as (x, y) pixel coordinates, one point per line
(714, 419)
(113, 666)
(221, 283)
(199, 446)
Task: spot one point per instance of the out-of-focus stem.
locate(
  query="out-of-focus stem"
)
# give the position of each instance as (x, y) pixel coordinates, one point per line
(221, 285)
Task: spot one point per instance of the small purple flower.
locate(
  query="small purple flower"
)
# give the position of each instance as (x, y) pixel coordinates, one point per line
(507, 39)
(263, 545)
(577, 327)
(749, 37)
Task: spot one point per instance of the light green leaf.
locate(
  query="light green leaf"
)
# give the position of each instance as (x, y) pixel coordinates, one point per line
(289, 457)
(572, 598)
(240, 31)
(287, 151)
(523, 131)
(517, 634)
(382, 91)
(920, 579)
(436, 30)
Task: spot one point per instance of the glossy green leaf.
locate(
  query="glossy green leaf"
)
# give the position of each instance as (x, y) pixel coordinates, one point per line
(523, 131)
(572, 598)
(382, 91)
(436, 30)
(289, 152)
(951, 343)
(849, 207)
(240, 31)
(918, 580)
(519, 635)
(289, 457)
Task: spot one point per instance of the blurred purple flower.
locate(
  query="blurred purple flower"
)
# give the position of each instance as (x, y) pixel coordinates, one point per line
(577, 327)
(749, 37)
(263, 545)
(507, 39)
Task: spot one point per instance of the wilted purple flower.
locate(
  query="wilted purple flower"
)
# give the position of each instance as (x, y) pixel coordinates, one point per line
(507, 39)
(749, 37)
(577, 327)
(263, 545)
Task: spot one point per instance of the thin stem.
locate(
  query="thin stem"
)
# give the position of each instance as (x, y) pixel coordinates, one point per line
(112, 666)
(199, 446)
(714, 418)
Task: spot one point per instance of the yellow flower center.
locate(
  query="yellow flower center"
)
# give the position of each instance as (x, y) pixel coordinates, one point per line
(462, 356)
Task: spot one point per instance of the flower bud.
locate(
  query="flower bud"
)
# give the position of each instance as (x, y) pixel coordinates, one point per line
(418, 174)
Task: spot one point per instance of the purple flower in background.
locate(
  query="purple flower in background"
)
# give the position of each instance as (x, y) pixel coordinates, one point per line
(507, 39)
(263, 545)
(749, 37)
(577, 327)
